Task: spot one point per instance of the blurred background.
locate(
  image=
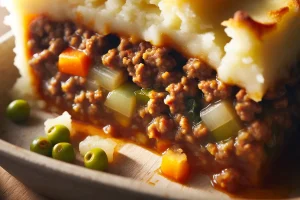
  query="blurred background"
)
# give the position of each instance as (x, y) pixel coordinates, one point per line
(3, 28)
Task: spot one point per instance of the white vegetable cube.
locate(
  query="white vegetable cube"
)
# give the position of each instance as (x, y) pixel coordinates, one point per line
(107, 78)
(122, 100)
(91, 142)
(64, 119)
(220, 118)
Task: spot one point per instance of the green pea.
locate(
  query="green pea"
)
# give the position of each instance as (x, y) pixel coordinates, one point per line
(41, 146)
(96, 159)
(18, 111)
(63, 151)
(58, 133)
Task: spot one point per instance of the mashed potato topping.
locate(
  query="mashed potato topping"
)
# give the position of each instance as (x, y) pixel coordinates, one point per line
(251, 43)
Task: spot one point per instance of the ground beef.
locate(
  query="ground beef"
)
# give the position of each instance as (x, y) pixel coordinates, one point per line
(178, 92)
(249, 151)
(166, 78)
(42, 31)
(57, 46)
(245, 107)
(149, 66)
(200, 131)
(183, 124)
(161, 125)
(228, 179)
(53, 88)
(168, 115)
(112, 58)
(214, 90)
(225, 154)
(156, 105)
(44, 64)
(260, 131)
(90, 101)
(160, 57)
(195, 68)
(143, 75)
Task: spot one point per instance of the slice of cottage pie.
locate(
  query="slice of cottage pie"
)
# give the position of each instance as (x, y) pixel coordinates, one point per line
(212, 83)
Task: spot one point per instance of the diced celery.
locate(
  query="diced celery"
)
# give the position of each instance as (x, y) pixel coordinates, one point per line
(107, 78)
(92, 85)
(142, 95)
(122, 99)
(227, 130)
(220, 118)
(122, 120)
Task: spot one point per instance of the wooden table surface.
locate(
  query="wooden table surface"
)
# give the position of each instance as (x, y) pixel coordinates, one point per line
(10, 188)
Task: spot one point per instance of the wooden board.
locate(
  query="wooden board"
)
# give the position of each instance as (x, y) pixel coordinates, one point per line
(12, 189)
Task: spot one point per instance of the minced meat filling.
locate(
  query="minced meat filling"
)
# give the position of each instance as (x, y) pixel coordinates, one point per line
(180, 89)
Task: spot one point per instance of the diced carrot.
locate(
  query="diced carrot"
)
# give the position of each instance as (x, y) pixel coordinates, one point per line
(74, 62)
(162, 145)
(175, 165)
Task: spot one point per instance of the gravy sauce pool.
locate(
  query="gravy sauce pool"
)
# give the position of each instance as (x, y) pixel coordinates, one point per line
(282, 181)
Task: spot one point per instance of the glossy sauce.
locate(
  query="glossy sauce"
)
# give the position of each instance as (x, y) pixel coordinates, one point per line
(280, 183)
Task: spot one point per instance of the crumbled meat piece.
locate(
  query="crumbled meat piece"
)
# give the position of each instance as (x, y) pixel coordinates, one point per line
(79, 98)
(175, 99)
(214, 90)
(75, 41)
(69, 87)
(200, 131)
(167, 78)
(142, 75)
(95, 97)
(33, 46)
(156, 105)
(196, 68)
(245, 107)
(159, 57)
(99, 45)
(57, 46)
(225, 154)
(69, 29)
(112, 59)
(212, 148)
(43, 31)
(249, 151)
(131, 56)
(44, 64)
(260, 131)
(184, 124)
(228, 179)
(142, 117)
(54, 87)
(125, 44)
(178, 92)
(160, 126)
